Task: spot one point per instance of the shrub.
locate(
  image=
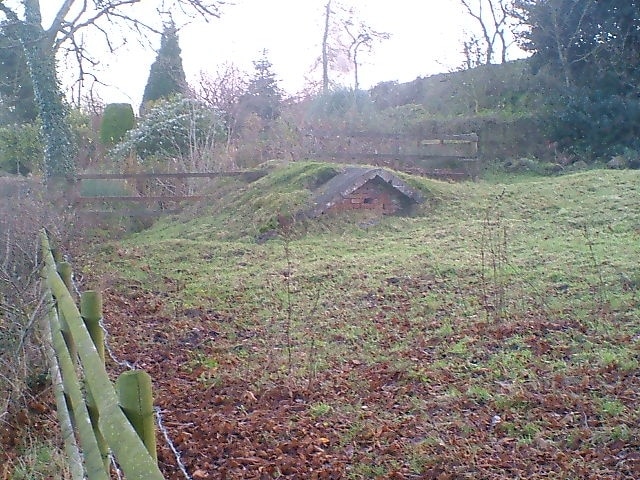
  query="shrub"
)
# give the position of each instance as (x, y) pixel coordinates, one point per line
(21, 148)
(117, 120)
(595, 124)
(176, 128)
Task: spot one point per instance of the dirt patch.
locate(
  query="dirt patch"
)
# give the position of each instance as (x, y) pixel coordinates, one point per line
(230, 419)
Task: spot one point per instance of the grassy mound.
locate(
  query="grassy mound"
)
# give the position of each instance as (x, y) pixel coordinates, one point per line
(246, 211)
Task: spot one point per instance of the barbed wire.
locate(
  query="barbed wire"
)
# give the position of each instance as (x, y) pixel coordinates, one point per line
(175, 451)
(122, 363)
(158, 413)
(115, 466)
(75, 284)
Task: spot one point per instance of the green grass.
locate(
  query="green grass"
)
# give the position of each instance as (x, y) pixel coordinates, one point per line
(40, 461)
(320, 409)
(562, 239)
(495, 298)
(551, 247)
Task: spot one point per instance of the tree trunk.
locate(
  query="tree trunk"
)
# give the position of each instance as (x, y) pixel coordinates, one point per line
(325, 53)
(56, 134)
(356, 80)
(561, 51)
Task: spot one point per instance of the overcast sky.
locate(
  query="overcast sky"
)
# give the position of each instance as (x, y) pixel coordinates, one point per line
(425, 39)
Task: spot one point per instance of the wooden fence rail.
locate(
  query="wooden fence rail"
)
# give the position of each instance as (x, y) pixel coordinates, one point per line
(165, 201)
(449, 156)
(104, 419)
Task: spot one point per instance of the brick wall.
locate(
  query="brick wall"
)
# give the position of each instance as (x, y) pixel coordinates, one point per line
(374, 195)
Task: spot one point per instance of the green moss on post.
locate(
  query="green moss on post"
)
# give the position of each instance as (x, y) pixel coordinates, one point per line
(131, 453)
(93, 463)
(63, 401)
(91, 312)
(94, 417)
(66, 274)
(57, 255)
(136, 400)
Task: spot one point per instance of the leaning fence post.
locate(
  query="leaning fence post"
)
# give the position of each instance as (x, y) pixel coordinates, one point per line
(66, 274)
(91, 313)
(90, 449)
(137, 458)
(136, 401)
(63, 402)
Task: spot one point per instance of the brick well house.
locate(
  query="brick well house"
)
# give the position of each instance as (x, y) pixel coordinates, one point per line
(360, 188)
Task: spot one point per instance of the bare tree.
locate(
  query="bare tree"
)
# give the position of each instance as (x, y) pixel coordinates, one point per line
(362, 37)
(493, 17)
(42, 43)
(325, 48)
(223, 92)
(344, 37)
(223, 89)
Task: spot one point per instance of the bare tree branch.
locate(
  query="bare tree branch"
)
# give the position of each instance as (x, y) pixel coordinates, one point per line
(492, 16)
(58, 21)
(344, 37)
(361, 35)
(9, 13)
(68, 29)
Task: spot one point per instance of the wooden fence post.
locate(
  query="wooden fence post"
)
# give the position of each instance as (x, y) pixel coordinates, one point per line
(91, 313)
(91, 451)
(136, 400)
(132, 454)
(74, 460)
(66, 274)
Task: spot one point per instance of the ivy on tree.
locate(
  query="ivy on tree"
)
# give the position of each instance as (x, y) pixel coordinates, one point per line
(40, 45)
(17, 104)
(59, 150)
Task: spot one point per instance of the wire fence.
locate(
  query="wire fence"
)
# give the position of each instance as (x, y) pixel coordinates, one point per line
(114, 424)
(157, 411)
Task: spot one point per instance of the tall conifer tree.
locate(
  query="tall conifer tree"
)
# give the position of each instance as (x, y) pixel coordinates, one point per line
(263, 96)
(166, 76)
